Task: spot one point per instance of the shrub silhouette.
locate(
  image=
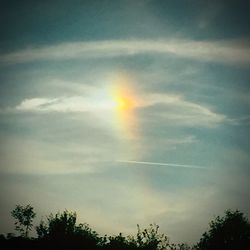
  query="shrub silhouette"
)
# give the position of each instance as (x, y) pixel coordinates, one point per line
(230, 232)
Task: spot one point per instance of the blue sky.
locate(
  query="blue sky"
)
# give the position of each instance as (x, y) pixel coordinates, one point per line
(185, 65)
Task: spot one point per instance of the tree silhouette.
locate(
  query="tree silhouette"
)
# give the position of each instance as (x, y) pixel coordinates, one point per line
(146, 239)
(24, 217)
(62, 229)
(151, 239)
(118, 242)
(230, 232)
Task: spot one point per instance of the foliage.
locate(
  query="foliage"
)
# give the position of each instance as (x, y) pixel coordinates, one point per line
(229, 232)
(62, 228)
(146, 239)
(118, 242)
(58, 225)
(24, 217)
(61, 231)
(150, 239)
(182, 246)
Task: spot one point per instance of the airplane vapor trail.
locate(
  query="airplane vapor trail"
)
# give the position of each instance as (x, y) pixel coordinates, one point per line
(163, 164)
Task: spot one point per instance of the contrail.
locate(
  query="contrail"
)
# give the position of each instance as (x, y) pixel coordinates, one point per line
(163, 164)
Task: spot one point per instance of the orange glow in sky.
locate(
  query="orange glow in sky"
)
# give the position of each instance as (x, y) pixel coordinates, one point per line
(125, 101)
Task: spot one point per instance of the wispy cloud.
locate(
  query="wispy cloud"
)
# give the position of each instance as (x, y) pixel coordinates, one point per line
(173, 108)
(63, 104)
(244, 120)
(169, 143)
(213, 51)
(179, 141)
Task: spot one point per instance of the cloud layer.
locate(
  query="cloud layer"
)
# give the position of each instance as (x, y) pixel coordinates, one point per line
(231, 52)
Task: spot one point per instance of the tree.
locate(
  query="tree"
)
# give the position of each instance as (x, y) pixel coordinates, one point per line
(61, 228)
(230, 232)
(58, 225)
(24, 216)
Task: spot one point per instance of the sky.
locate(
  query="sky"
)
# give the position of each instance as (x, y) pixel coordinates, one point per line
(127, 112)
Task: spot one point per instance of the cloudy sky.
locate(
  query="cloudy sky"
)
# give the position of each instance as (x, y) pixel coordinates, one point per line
(125, 111)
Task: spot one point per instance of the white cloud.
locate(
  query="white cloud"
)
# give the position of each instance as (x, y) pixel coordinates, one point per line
(35, 104)
(214, 51)
(175, 109)
(64, 104)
